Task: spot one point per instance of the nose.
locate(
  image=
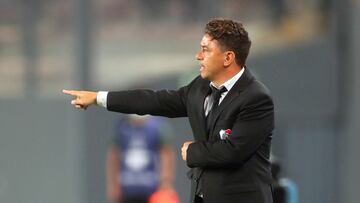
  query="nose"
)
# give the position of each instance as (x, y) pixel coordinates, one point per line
(198, 56)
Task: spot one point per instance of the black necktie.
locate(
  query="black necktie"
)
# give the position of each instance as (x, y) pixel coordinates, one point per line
(214, 100)
(214, 97)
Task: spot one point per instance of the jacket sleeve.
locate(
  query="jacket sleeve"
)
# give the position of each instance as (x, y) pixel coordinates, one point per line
(253, 125)
(168, 103)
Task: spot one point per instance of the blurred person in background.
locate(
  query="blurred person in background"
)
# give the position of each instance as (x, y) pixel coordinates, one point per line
(231, 114)
(140, 160)
(285, 190)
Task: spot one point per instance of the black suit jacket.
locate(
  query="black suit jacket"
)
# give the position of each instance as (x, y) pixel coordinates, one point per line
(232, 170)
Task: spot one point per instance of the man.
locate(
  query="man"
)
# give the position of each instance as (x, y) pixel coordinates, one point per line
(140, 160)
(230, 112)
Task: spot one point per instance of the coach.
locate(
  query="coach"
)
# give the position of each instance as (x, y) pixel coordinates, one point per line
(230, 112)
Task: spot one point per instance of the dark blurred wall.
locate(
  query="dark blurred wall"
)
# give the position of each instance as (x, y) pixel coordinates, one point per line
(348, 139)
(41, 152)
(303, 80)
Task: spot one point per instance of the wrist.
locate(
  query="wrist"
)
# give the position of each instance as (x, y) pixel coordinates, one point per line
(101, 98)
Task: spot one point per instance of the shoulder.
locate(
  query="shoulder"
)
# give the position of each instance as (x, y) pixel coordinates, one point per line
(196, 85)
(257, 91)
(198, 81)
(256, 87)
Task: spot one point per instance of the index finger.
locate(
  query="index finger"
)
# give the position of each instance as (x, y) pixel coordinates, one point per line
(71, 92)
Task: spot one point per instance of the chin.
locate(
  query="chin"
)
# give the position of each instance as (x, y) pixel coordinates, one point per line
(203, 75)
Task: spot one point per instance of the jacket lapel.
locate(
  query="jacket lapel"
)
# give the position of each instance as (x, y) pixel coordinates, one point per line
(235, 91)
(204, 92)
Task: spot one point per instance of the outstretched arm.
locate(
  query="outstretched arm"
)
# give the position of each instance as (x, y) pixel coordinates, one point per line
(83, 99)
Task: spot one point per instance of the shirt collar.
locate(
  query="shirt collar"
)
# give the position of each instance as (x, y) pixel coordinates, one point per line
(231, 82)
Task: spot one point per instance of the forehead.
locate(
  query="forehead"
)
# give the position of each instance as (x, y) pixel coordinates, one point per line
(208, 41)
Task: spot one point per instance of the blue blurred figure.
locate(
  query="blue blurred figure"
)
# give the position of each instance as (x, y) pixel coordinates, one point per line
(140, 160)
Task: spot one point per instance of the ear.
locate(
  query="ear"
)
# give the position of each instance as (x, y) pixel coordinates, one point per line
(229, 58)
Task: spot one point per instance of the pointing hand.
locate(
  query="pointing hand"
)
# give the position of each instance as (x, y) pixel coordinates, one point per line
(83, 99)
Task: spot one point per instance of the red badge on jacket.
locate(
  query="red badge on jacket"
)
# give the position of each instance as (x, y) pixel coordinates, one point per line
(224, 134)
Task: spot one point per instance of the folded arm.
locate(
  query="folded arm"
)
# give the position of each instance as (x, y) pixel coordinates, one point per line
(252, 127)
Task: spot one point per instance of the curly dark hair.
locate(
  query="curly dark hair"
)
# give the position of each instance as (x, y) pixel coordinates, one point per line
(231, 36)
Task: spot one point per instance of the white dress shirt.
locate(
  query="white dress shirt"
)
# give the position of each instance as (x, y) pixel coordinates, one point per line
(101, 98)
(228, 85)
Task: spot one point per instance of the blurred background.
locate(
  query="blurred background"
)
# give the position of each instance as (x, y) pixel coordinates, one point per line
(304, 51)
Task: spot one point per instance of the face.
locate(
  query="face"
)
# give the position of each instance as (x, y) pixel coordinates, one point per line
(211, 59)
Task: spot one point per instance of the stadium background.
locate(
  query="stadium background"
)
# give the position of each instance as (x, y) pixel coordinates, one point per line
(305, 51)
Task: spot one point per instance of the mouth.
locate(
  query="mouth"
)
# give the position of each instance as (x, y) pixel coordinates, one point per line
(202, 67)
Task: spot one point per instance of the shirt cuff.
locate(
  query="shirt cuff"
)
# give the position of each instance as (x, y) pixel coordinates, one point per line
(101, 98)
